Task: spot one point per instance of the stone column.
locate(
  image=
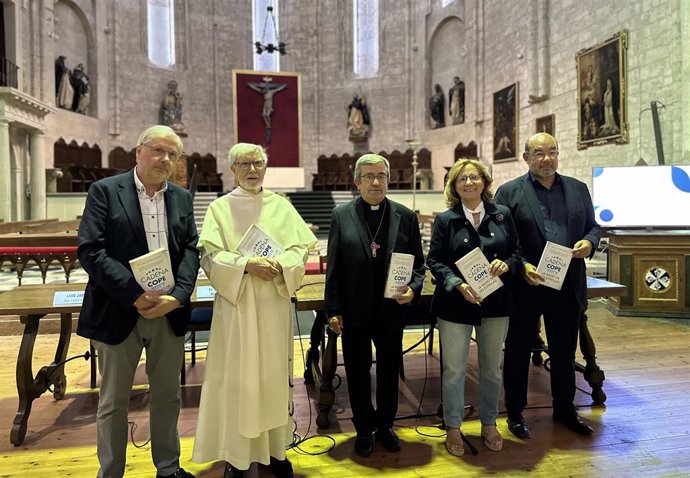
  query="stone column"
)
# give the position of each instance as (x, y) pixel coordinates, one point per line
(5, 180)
(38, 177)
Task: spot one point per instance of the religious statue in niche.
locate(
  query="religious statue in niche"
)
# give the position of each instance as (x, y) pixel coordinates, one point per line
(437, 108)
(82, 90)
(72, 88)
(456, 101)
(267, 88)
(64, 93)
(171, 108)
(358, 125)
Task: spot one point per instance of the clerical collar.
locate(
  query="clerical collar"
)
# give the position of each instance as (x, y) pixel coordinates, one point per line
(374, 207)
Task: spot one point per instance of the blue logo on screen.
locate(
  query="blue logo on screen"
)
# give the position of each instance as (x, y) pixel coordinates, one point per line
(680, 179)
(620, 195)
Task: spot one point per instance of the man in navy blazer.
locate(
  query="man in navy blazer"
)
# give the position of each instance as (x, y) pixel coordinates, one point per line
(364, 234)
(547, 206)
(127, 216)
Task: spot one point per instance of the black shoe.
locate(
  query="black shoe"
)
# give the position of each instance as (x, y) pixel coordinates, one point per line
(389, 440)
(573, 421)
(180, 473)
(232, 472)
(518, 427)
(364, 444)
(281, 468)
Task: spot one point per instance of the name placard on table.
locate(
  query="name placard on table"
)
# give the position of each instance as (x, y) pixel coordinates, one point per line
(205, 292)
(67, 298)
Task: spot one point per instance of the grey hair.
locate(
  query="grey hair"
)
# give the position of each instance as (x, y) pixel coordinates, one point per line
(160, 131)
(370, 159)
(246, 149)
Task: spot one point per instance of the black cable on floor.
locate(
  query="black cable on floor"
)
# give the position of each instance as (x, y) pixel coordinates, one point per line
(298, 440)
(86, 356)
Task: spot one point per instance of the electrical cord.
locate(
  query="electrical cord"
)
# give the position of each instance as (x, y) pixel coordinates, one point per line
(86, 356)
(132, 428)
(297, 440)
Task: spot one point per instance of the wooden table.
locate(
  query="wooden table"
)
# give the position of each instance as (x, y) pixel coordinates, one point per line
(324, 344)
(58, 239)
(31, 303)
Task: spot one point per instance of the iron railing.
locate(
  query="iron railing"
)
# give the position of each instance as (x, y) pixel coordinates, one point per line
(9, 73)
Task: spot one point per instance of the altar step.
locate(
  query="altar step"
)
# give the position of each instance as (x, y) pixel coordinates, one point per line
(201, 203)
(315, 207)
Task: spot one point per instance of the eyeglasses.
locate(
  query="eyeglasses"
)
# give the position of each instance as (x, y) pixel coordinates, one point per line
(553, 154)
(245, 166)
(475, 178)
(382, 178)
(160, 153)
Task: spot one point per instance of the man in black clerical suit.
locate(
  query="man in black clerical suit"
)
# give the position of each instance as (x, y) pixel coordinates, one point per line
(364, 233)
(547, 206)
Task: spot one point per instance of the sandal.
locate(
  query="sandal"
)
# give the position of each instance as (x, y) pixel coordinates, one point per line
(492, 439)
(454, 442)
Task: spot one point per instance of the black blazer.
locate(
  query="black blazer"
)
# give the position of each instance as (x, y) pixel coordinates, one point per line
(349, 283)
(453, 237)
(111, 232)
(519, 195)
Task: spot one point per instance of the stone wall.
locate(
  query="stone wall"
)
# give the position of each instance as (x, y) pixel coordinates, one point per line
(487, 43)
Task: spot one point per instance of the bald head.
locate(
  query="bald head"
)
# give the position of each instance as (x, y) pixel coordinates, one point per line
(541, 155)
(539, 138)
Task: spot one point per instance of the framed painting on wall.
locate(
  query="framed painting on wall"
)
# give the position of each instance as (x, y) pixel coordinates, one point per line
(546, 124)
(601, 92)
(267, 111)
(506, 123)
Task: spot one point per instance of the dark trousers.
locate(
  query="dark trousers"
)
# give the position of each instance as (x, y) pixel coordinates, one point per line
(386, 334)
(561, 321)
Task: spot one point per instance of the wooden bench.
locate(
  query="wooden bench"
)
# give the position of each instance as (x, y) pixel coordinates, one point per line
(20, 256)
(16, 226)
(49, 227)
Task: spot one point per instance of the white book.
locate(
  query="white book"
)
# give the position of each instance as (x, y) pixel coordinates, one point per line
(554, 263)
(256, 243)
(399, 273)
(474, 268)
(153, 271)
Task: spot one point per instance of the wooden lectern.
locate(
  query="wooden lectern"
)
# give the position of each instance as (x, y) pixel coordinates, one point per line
(655, 268)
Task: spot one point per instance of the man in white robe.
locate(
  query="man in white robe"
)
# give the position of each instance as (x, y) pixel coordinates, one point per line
(246, 396)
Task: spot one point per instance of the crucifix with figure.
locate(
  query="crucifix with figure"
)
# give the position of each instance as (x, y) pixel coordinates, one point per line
(267, 88)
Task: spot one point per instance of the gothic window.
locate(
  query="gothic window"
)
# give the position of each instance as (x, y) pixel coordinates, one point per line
(160, 15)
(264, 31)
(366, 37)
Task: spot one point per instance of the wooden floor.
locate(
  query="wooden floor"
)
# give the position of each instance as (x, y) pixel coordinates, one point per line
(643, 430)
